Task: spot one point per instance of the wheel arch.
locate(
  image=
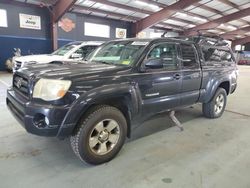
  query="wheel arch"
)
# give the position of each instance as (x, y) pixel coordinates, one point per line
(122, 98)
(213, 86)
(225, 85)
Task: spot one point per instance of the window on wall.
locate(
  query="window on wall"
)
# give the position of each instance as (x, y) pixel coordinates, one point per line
(3, 18)
(96, 30)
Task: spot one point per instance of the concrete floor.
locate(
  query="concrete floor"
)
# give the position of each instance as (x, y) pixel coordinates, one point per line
(207, 154)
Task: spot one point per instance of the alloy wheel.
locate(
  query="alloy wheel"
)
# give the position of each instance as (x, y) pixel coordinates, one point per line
(104, 136)
(219, 104)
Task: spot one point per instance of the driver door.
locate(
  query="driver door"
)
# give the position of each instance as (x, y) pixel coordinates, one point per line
(160, 87)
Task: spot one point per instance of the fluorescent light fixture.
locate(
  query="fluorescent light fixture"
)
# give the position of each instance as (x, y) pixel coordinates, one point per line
(80, 1)
(85, 2)
(190, 25)
(146, 4)
(231, 27)
(201, 19)
(212, 30)
(228, 26)
(181, 14)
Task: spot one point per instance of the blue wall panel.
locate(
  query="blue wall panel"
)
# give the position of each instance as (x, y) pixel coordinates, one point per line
(27, 46)
(38, 41)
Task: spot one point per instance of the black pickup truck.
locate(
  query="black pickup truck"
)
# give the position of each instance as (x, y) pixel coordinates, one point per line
(123, 83)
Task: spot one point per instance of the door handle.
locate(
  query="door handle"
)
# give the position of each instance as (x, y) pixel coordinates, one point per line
(177, 76)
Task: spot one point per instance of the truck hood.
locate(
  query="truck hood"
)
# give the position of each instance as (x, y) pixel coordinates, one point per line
(43, 58)
(73, 71)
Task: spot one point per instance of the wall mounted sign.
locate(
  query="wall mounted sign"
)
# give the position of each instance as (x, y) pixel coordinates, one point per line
(30, 21)
(142, 34)
(96, 30)
(121, 33)
(66, 24)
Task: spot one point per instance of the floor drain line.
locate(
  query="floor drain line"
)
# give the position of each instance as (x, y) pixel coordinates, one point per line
(246, 115)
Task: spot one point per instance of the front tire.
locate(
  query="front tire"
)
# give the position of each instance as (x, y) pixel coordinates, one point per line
(99, 135)
(217, 105)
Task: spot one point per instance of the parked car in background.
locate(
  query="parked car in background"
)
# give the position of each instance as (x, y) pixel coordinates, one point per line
(74, 51)
(244, 58)
(9, 64)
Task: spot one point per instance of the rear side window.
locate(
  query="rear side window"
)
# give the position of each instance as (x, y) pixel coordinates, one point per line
(188, 55)
(217, 56)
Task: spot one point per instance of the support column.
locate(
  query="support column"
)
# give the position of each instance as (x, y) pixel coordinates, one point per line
(54, 33)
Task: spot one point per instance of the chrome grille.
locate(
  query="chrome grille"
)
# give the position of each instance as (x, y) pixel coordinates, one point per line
(21, 84)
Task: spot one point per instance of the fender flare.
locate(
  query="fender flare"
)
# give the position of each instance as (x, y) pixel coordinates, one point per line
(212, 86)
(95, 96)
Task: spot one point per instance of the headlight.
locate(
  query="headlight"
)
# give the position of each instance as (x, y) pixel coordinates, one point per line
(49, 90)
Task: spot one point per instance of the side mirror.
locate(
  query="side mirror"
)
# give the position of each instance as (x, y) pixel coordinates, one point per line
(154, 63)
(226, 56)
(76, 56)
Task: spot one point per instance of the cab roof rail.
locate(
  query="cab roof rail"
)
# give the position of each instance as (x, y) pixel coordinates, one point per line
(201, 38)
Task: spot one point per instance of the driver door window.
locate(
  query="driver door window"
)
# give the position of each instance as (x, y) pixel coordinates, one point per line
(167, 53)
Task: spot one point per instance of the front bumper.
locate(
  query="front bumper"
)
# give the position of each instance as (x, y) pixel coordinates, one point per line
(42, 120)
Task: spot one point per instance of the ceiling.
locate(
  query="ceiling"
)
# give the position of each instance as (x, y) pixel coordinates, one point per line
(195, 14)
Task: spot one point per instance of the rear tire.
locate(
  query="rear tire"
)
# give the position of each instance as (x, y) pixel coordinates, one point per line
(216, 106)
(99, 135)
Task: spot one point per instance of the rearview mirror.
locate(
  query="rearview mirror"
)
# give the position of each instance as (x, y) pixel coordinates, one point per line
(154, 63)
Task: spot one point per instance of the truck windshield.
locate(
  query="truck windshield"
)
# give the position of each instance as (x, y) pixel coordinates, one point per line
(119, 52)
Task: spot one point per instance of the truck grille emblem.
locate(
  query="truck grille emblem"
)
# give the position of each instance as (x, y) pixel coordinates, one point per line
(19, 83)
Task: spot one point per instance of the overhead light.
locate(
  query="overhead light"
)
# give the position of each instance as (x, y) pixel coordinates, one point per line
(181, 14)
(80, 1)
(228, 26)
(212, 30)
(147, 4)
(190, 25)
(231, 27)
(201, 19)
(83, 2)
(168, 21)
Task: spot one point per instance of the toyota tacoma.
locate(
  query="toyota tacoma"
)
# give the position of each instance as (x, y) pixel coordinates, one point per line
(123, 83)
